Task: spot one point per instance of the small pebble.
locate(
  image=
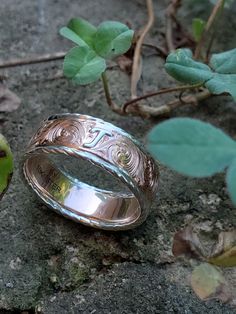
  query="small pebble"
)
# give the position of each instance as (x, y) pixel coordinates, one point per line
(9, 285)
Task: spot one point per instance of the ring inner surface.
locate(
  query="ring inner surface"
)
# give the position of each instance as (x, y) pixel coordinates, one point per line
(80, 198)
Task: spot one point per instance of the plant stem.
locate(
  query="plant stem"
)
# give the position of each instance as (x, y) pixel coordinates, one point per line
(218, 8)
(162, 51)
(208, 52)
(147, 111)
(170, 15)
(106, 88)
(34, 59)
(160, 92)
(136, 70)
(154, 112)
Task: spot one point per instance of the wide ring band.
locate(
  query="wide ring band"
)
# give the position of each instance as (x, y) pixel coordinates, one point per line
(105, 146)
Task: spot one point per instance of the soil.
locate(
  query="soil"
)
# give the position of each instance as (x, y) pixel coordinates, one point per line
(52, 265)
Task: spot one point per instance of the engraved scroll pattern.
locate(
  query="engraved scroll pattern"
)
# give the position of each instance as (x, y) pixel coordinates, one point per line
(116, 149)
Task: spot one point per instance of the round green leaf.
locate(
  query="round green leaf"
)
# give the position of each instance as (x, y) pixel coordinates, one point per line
(69, 34)
(231, 181)
(222, 83)
(183, 68)
(79, 31)
(112, 39)
(6, 165)
(191, 147)
(224, 62)
(83, 65)
(224, 79)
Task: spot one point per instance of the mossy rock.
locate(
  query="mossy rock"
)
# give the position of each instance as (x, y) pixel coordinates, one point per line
(6, 165)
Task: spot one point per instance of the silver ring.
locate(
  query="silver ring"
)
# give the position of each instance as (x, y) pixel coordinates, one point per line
(103, 145)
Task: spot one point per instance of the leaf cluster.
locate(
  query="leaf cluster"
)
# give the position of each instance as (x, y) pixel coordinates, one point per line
(219, 76)
(86, 62)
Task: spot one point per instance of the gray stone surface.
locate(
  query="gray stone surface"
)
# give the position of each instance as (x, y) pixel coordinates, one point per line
(51, 264)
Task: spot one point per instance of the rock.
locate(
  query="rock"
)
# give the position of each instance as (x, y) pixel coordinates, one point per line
(55, 265)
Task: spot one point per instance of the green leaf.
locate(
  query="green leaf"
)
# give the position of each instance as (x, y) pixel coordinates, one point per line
(231, 181)
(191, 147)
(198, 26)
(225, 79)
(112, 39)
(83, 65)
(79, 31)
(224, 62)
(183, 68)
(208, 283)
(6, 165)
(69, 34)
(222, 83)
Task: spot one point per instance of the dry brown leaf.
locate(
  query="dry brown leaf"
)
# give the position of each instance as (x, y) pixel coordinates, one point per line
(125, 64)
(227, 259)
(224, 253)
(9, 101)
(208, 283)
(186, 242)
(226, 240)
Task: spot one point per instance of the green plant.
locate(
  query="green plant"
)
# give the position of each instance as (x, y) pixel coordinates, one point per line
(200, 149)
(87, 63)
(218, 77)
(6, 165)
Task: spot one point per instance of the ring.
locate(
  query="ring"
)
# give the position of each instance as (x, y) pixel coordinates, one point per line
(73, 137)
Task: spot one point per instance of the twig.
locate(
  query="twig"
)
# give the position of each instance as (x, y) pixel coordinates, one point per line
(147, 111)
(214, 14)
(219, 5)
(138, 48)
(154, 112)
(170, 17)
(208, 52)
(31, 60)
(162, 51)
(160, 92)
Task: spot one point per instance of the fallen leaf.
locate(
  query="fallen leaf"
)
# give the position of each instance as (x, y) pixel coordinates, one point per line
(224, 253)
(227, 259)
(9, 101)
(186, 242)
(226, 240)
(208, 283)
(125, 64)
